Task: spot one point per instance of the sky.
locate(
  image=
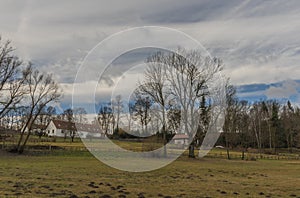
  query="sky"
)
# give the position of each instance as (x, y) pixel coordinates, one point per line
(258, 40)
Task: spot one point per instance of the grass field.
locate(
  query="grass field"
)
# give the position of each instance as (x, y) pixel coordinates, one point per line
(81, 175)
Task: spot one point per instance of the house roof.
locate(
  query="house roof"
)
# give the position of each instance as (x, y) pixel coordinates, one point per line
(39, 126)
(66, 125)
(180, 136)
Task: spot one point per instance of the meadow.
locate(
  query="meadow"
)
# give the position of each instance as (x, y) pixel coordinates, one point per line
(78, 174)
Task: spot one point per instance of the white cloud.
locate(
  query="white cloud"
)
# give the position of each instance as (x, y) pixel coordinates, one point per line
(258, 40)
(285, 91)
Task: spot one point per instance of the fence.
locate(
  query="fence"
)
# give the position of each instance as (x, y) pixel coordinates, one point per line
(253, 156)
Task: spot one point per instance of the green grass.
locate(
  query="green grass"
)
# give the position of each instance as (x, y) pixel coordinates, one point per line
(78, 173)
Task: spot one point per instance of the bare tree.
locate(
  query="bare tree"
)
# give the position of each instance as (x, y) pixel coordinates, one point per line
(174, 117)
(42, 90)
(188, 74)
(142, 112)
(105, 117)
(155, 119)
(50, 113)
(231, 118)
(80, 115)
(155, 87)
(117, 106)
(270, 110)
(68, 115)
(256, 124)
(11, 78)
(183, 77)
(290, 118)
(129, 116)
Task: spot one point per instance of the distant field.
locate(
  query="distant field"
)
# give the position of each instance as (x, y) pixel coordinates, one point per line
(48, 144)
(78, 174)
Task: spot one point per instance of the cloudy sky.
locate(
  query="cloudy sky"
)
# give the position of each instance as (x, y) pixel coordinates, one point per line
(258, 40)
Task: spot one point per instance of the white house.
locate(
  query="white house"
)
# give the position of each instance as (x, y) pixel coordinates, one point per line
(182, 139)
(62, 128)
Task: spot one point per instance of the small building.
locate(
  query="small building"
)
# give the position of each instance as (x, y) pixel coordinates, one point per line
(181, 139)
(62, 128)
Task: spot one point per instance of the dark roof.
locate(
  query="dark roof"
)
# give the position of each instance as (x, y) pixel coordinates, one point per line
(180, 136)
(39, 126)
(66, 125)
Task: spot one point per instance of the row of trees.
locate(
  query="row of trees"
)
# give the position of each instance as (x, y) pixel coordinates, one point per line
(16, 118)
(266, 124)
(173, 97)
(175, 87)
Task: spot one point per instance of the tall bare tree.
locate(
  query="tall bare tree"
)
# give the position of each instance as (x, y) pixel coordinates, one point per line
(68, 115)
(117, 106)
(155, 87)
(142, 112)
(105, 117)
(181, 76)
(42, 90)
(290, 117)
(231, 118)
(188, 73)
(256, 124)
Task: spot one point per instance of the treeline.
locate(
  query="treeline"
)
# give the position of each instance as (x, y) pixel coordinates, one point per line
(15, 119)
(161, 104)
(264, 125)
(173, 98)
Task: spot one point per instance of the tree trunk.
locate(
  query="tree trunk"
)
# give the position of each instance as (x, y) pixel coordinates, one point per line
(72, 137)
(27, 125)
(227, 146)
(274, 141)
(192, 150)
(19, 142)
(270, 137)
(291, 143)
(165, 141)
(21, 149)
(243, 154)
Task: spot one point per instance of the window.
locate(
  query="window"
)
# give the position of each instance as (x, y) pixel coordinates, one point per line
(62, 131)
(52, 130)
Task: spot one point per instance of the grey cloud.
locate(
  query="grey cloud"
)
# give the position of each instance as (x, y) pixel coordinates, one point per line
(257, 39)
(285, 91)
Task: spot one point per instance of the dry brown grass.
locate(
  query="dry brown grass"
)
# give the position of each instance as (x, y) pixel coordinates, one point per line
(84, 176)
